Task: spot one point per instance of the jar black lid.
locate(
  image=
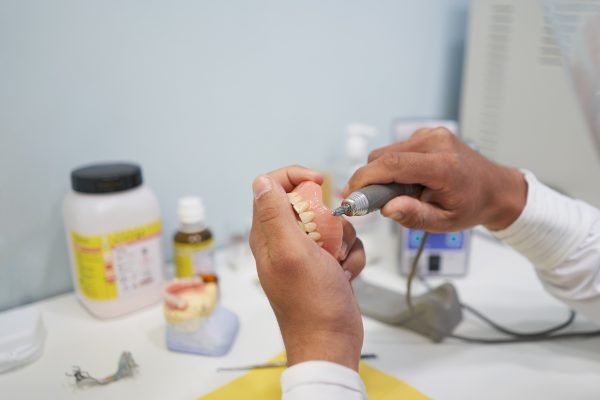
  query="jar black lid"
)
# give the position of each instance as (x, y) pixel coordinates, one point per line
(106, 178)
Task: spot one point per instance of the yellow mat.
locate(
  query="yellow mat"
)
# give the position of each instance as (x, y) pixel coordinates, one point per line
(264, 384)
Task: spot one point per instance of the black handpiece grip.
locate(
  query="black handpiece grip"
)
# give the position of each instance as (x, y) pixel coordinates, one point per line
(378, 195)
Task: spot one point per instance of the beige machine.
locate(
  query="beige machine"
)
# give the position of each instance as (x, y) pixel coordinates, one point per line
(518, 103)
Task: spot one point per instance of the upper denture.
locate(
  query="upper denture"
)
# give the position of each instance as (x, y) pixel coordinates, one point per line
(315, 218)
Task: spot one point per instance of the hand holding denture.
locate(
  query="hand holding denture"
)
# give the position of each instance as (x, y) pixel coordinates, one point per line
(305, 258)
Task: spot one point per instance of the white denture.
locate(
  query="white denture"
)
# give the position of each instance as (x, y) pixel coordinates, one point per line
(294, 197)
(310, 227)
(314, 236)
(300, 207)
(306, 216)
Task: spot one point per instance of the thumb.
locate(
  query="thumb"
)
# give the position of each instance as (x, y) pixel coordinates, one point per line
(273, 215)
(415, 214)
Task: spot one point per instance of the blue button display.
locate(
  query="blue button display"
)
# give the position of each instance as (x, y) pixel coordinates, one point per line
(437, 241)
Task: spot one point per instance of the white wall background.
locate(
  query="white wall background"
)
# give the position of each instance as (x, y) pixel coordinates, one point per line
(204, 94)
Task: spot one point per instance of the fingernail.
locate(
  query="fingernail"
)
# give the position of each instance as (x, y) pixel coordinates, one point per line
(348, 274)
(343, 250)
(261, 186)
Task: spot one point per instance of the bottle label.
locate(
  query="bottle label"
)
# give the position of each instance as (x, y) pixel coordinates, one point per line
(193, 259)
(118, 263)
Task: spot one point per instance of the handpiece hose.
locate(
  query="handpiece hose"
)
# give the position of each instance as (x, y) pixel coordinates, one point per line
(373, 197)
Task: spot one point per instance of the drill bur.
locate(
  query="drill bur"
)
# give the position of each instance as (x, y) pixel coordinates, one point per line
(341, 210)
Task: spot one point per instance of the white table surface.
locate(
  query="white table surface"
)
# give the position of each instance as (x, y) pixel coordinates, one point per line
(501, 283)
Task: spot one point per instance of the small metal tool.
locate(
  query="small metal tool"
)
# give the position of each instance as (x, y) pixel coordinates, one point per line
(373, 197)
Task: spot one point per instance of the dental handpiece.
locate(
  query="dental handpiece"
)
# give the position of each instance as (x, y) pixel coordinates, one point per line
(373, 197)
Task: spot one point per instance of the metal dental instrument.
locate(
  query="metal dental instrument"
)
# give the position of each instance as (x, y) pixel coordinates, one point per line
(373, 197)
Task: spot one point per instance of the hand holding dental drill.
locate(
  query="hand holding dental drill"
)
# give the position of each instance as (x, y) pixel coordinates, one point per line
(462, 188)
(315, 306)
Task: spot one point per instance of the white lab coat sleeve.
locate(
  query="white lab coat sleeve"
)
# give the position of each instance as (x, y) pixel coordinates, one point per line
(561, 237)
(321, 380)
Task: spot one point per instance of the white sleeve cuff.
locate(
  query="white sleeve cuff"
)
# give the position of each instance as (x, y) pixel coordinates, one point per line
(317, 380)
(550, 227)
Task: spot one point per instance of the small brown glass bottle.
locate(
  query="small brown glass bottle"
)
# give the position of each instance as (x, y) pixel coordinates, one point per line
(193, 243)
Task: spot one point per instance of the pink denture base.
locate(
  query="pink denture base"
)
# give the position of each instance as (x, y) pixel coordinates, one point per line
(329, 227)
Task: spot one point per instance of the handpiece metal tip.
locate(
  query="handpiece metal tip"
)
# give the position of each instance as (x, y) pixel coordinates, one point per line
(340, 210)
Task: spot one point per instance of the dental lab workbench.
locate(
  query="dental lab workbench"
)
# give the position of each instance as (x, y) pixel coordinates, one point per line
(500, 283)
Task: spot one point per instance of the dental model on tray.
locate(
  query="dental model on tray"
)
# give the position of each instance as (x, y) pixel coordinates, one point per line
(196, 322)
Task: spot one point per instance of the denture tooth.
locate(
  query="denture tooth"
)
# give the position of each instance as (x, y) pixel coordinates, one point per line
(294, 197)
(314, 236)
(306, 216)
(302, 226)
(310, 227)
(301, 207)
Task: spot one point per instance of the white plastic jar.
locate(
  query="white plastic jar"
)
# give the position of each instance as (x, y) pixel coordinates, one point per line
(113, 229)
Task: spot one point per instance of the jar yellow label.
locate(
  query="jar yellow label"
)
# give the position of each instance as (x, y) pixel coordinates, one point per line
(119, 262)
(193, 258)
